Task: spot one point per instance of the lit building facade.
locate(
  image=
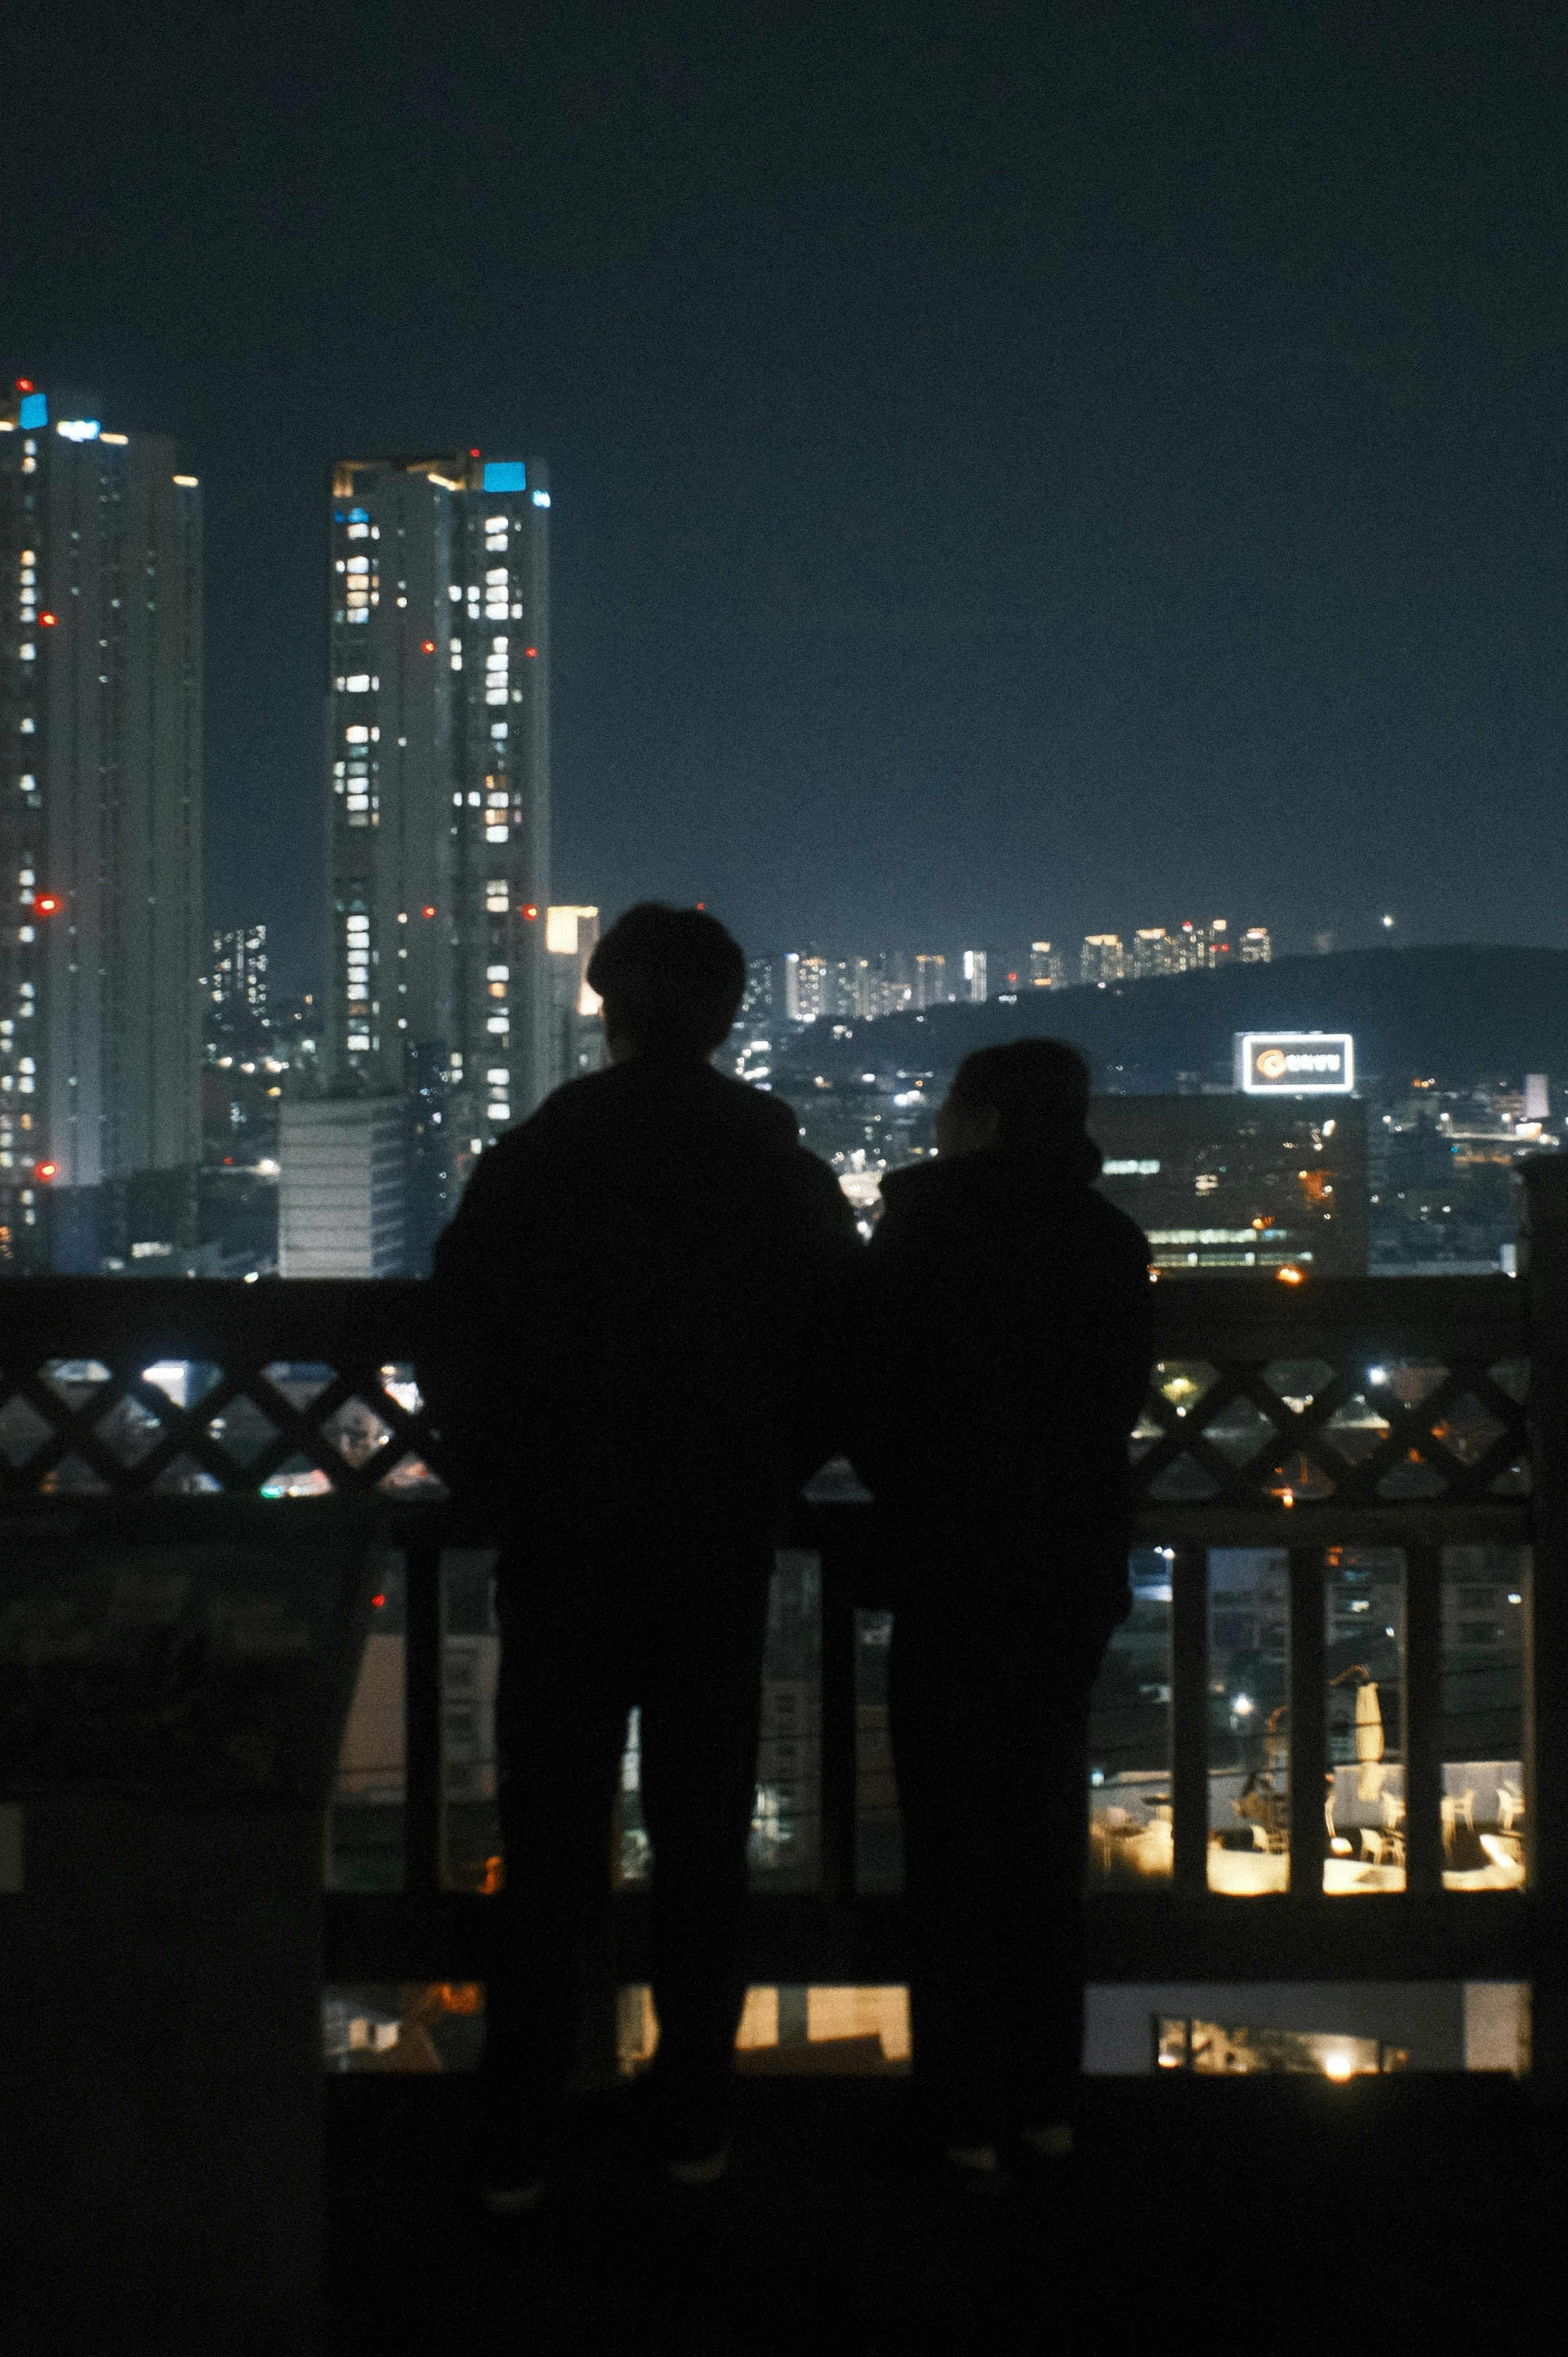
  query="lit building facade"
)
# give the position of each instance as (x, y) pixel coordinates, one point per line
(1155, 951)
(578, 1037)
(342, 1191)
(438, 802)
(236, 985)
(100, 830)
(931, 978)
(973, 967)
(1047, 969)
(1102, 958)
(1244, 1184)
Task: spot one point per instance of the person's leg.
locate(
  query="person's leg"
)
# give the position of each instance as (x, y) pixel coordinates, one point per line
(560, 1723)
(957, 1841)
(701, 1688)
(1043, 1707)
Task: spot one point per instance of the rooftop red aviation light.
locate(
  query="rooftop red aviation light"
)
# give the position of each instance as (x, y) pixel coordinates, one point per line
(427, 647)
(531, 652)
(47, 904)
(48, 621)
(427, 910)
(472, 454)
(24, 384)
(46, 1170)
(531, 910)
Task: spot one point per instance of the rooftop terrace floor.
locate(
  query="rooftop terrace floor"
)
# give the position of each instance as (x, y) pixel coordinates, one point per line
(1267, 2215)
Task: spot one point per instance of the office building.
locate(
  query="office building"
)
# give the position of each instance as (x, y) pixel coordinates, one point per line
(930, 987)
(1205, 947)
(1157, 951)
(1047, 967)
(973, 986)
(342, 1187)
(236, 989)
(578, 1037)
(100, 836)
(808, 983)
(1239, 1183)
(438, 781)
(1101, 959)
(764, 990)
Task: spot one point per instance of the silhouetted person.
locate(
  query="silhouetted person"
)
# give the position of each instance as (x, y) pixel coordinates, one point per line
(628, 1300)
(1005, 1326)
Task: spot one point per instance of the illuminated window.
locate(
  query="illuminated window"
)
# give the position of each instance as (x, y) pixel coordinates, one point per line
(495, 834)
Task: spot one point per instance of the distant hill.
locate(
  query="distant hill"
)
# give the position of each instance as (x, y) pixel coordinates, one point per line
(1457, 1015)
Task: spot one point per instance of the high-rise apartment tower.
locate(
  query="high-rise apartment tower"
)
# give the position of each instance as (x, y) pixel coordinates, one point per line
(438, 781)
(100, 831)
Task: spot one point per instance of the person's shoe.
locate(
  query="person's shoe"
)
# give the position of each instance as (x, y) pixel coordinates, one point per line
(1041, 2154)
(508, 2201)
(704, 2168)
(507, 2167)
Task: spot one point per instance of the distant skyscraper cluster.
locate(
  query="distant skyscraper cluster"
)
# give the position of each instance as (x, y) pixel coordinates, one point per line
(1156, 949)
(808, 987)
(445, 1004)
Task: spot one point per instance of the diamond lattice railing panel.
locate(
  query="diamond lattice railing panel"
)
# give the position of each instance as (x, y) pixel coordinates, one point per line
(1218, 1428)
(1367, 1431)
(89, 1426)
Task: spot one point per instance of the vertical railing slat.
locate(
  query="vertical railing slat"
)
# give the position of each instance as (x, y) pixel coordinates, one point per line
(1189, 1715)
(1308, 1724)
(1546, 1669)
(839, 1764)
(422, 1751)
(1423, 1729)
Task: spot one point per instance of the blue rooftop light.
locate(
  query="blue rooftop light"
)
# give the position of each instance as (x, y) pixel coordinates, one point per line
(35, 409)
(359, 515)
(505, 475)
(541, 498)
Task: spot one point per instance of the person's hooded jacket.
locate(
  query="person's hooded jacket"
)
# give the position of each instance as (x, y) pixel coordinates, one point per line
(1001, 1358)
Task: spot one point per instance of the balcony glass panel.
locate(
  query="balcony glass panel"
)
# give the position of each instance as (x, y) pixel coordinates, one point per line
(1364, 1642)
(1249, 1721)
(1129, 1839)
(1486, 1607)
(365, 1820)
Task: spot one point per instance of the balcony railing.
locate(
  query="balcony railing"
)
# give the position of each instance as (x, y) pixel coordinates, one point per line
(1328, 1479)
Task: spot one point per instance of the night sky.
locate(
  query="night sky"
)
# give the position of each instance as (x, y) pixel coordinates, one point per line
(1016, 471)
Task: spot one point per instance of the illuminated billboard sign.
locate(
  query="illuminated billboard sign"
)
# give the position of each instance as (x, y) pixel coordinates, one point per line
(1295, 1064)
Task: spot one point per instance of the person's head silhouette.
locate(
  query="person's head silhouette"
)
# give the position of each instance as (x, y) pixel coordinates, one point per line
(671, 981)
(1028, 1096)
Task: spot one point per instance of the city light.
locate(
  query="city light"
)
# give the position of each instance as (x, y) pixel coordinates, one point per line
(48, 621)
(45, 904)
(428, 909)
(45, 1171)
